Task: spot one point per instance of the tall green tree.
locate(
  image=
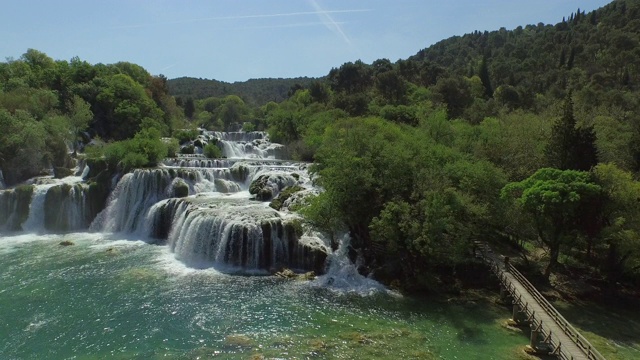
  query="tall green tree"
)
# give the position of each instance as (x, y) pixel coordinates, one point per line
(554, 198)
(484, 76)
(570, 147)
(189, 108)
(79, 118)
(620, 222)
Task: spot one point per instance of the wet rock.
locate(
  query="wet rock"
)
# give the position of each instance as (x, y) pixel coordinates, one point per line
(261, 189)
(289, 274)
(180, 188)
(66, 243)
(61, 172)
(284, 196)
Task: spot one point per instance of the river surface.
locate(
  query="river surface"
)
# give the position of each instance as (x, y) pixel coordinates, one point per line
(109, 297)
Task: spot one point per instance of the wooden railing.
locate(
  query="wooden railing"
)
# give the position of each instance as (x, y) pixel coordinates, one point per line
(499, 269)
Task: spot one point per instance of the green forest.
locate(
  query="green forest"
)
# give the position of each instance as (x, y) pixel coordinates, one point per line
(528, 138)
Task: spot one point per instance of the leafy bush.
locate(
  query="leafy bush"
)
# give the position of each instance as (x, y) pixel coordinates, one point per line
(146, 149)
(248, 127)
(184, 135)
(172, 147)
(212, 151)
(189, 150)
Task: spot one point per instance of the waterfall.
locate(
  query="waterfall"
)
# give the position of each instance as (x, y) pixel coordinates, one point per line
(14, 207)
(35, 220)
(233, 233)
(67, 208)
(85, 171)
(239, 136)
(203, 211)
(2, 185)
(133, 195)
(342, 275)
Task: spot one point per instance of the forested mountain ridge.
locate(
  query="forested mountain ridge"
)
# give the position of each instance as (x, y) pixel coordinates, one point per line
(253, 91)
(597, 50)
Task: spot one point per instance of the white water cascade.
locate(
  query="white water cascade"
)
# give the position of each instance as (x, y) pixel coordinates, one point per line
(35, 221)
(342, 275)
(203, 209)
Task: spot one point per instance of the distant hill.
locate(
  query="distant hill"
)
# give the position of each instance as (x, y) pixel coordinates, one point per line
(253, 91)
(599, 49)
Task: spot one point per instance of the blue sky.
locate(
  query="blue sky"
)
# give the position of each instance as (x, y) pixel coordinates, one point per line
(235, 40)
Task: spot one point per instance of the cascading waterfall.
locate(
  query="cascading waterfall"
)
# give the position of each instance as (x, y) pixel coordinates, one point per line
(247, 145)
(239, 136)
(35, 221)
(14, 207)
(203, 211)
(235, 233)
(67, 208)
(342, 275)
(48, 205)
(209, 212)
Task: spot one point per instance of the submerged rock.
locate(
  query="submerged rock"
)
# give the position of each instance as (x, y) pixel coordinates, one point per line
(66, 243)
(290, 274)
(239, 340)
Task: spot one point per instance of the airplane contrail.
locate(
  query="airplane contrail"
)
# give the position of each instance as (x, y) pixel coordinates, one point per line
(316, 23)
(320, 12)
(328, 21)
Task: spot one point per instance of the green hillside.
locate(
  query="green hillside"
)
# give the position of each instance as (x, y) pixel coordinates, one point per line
(253, 91)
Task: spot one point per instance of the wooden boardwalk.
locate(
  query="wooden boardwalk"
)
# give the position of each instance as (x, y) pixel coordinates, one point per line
(550, 332)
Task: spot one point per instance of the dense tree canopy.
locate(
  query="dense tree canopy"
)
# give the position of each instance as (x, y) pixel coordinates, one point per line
(48, 108)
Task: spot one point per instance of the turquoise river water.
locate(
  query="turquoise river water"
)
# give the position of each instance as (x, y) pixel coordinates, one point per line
(108, 297)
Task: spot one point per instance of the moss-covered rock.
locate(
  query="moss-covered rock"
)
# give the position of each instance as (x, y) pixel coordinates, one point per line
(23, 198)
(97, 194)
(180, 188)
(188, 149)
(290, 274)
(261, 189)
(284, 196)
(61, 172)
(239, 172)
(96, 166)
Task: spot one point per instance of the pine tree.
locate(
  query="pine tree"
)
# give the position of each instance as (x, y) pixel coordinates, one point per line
(572, 57)
(563, 135)
(189, 108)
(571, 148)
(484, 77)
(586, 154)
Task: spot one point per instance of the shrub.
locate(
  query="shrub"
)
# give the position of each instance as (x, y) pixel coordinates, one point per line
(172, 147)
(185, 135)
(212, 151)
(248, 127)
(146, 149)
